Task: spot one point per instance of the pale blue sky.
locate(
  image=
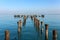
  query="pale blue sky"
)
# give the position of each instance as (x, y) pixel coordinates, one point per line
(42, 5)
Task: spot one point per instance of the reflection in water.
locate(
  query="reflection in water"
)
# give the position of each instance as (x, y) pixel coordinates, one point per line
(39, 35)
(24, 22)
(54, 38)
(19, 34)
(40, 32)
(15, 38)
(37, 29)
(46, 37)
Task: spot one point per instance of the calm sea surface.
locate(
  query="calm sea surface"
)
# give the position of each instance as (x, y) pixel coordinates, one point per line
(28, 32)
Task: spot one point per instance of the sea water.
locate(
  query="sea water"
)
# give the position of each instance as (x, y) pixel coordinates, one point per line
(29, 31)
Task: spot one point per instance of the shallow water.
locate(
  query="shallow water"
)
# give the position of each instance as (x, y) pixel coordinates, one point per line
(29, 31)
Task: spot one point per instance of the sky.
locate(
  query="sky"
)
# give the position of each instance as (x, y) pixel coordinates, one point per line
(29, 6)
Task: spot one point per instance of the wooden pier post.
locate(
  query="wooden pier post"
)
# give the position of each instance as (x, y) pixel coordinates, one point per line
(19, 30)
(34, 21)
(42, 16)
(24, 17)
(7, 36)
(46, 31)
(38, 23)
(19, 25)
(24, 21)
(41, 23)
(42, 27)
(54, 35)
(31, 17)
